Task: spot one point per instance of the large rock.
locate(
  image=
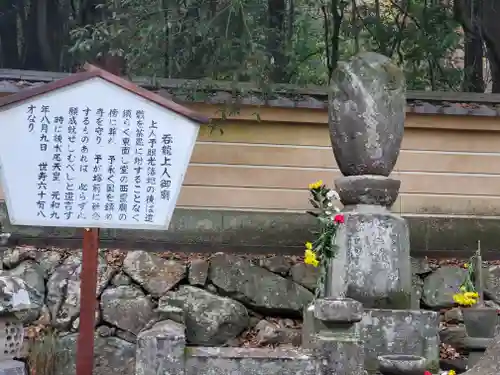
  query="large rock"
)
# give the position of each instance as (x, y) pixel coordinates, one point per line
(154, 274)
(306, 275)
(441, 285)
(257, 287)
(18, 298)
(33, 276)
(12, 257)
(63, 289)
(112, 356)
(209, 319)
(492, 276)
(127, 308)
(366, 115)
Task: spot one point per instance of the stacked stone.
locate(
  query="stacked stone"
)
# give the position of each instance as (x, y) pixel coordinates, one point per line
(366, 120)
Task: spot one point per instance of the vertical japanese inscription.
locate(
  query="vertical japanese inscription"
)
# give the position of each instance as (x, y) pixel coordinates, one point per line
(138, 165)
(69, 194)
(57, 159)
(124, 165)
(166, 153)
(43, 170)
(97, 168)
(151, 172)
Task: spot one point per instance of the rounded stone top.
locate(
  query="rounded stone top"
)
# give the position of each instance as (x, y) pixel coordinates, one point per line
(366, 114)
(341, 310)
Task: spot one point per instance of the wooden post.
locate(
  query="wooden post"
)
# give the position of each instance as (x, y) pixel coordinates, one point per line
(88, 302)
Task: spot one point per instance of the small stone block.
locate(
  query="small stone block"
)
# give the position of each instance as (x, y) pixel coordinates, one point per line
(11, 367)
(160, 350)
(342, 310)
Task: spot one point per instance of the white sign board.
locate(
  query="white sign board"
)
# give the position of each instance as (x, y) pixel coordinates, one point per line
(93, 154)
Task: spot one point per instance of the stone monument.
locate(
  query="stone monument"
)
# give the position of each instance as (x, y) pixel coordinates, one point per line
(366, 117)
(366, 120)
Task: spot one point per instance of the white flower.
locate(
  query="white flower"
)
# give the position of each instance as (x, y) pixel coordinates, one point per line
(328, 213)
(332, 194)
(329, 204)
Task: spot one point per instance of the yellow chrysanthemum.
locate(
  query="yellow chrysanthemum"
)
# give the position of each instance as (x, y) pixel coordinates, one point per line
(316, 185)
(310, 258)
(452, 372)
(309, 245)
(466, 299)
(466, 265)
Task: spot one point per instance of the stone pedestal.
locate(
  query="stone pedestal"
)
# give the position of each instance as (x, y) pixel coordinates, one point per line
(338, 344)
(388, 332)
(373, 260)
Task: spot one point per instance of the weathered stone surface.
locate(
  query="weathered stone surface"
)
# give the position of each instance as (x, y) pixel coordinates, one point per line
(489, 364)
(399, 331)
(198, 272)
(105, 331)
(274, 333)
(305, 275)
(12, 257)
(160, 350)
(127, 308)
(12, 367)
(32, 275)
(492, 285)
(416, 292)
(48, 261)
(153, 273)
(112, 356)
(277, 264)
(420, 266)
(126, 336)
(373, 259)
(243, 361)
(454, 315)
(454, 336)
(63, 289)
(18, 298)
(256, 286)
(121, 279)
(210, 319)
(366, 115)
(367, 189)
(340, 310)
(441, 285)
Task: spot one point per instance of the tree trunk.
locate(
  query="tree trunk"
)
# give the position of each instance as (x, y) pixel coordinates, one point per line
(9, 52)
(276, 44)
(473, 62)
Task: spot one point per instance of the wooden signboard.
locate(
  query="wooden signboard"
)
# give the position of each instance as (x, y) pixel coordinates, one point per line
(93, 151)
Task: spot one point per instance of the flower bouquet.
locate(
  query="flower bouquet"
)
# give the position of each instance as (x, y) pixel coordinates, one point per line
(323, 249)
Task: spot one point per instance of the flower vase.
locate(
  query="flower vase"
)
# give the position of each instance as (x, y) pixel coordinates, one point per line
(480, 321)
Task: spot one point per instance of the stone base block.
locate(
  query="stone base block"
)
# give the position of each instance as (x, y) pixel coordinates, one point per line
(11, 367)
(390, 332)
(367, 189)
(372, 265)
(245, 361)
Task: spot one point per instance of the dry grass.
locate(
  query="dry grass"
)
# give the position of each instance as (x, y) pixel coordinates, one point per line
(45, 353)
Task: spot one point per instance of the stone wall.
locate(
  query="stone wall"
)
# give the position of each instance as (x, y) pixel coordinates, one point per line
(223, 299)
